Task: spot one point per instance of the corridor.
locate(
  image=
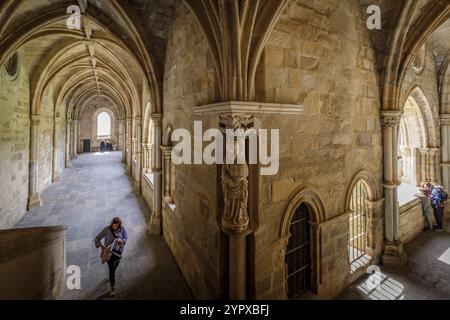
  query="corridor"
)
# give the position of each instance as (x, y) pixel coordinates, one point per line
(91, 193)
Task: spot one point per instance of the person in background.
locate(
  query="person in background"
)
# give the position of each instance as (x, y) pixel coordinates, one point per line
(439, 198)
(425, 197)
(114, 238)
(102, 146)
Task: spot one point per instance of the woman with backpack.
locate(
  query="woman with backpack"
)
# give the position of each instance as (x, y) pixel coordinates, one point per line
(439, 197)
(114, 239)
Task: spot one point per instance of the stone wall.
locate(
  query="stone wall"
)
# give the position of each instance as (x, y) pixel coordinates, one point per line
(192, 231)
(39, 255)
(147, 191)
(319, 56)
(412, 221)
(14, 147)
(88, 126)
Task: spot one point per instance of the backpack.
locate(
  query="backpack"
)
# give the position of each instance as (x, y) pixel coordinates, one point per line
(443, 197)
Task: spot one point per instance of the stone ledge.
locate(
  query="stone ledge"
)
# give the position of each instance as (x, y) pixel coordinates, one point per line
(248, 107)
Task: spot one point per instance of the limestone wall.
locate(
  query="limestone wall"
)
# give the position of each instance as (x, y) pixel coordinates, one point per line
(14, 147)
(319, 56)
(412, 221)
(192, 231)
(147, 192)
(39, 255)
(88, 127)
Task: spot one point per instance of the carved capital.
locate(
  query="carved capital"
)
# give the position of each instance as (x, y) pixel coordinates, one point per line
(390, 119)
(157, 120)
(167, 152)
(236, 121)
(444, 119)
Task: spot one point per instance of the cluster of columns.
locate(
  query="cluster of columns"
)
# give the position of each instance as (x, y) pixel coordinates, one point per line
(155, 224)
(445, 141)
(393, 254)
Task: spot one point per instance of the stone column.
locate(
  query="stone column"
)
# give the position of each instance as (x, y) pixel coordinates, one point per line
(434, 165)
(68, 139)
(155, 224)
(167, 173)
(235, 217)
(445, 144)
(138, 151)
(56, 132)
(146, 157)
(121, 124)
(128, 145)
(34, 198)
(393, 254)
(375, 217)
(76, 133)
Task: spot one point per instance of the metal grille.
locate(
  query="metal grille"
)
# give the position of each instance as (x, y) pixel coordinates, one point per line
(357, 223)
(298, 255)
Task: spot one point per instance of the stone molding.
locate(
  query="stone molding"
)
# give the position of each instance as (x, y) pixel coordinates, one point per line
(243, 107)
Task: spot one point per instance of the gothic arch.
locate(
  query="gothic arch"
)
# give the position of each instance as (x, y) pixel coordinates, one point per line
(168, 136)
(311, 198)
(373, 193)
(308, 196)
(419, 102)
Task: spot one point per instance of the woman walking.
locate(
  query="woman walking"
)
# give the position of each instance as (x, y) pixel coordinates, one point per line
(114, 239)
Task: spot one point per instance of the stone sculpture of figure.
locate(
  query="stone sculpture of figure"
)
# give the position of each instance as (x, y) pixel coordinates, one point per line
(235, 190)
(102, 146)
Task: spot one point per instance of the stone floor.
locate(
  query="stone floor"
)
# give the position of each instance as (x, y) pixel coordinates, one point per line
(426, 276)
(89, 195)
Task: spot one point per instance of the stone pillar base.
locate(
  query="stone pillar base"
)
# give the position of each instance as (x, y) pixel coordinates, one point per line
(154, 226)
(68, 164)
(393, 255)
(56, 178)
(137, 187)
(34, 201)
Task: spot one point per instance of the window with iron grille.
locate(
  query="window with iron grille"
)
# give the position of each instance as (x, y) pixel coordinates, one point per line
(357, 224)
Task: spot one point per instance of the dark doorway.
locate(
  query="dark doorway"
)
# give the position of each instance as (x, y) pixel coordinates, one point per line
(298, 254)
(86, 145)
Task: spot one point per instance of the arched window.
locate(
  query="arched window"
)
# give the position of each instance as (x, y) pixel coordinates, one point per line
(298, 254)
(103, 125)
(357, 227)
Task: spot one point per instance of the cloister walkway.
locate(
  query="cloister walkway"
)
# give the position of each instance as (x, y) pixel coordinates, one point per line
(93, 191)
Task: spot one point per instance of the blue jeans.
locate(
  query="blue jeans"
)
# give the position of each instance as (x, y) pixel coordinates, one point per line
(439, 215)
(113, 263)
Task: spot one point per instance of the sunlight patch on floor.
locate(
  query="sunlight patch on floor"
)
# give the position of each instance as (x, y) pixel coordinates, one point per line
(380, 287)
(445, 257)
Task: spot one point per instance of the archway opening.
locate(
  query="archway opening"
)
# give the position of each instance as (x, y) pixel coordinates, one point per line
(358, 231)
(298, 254)
(103, 126)
(411, 140)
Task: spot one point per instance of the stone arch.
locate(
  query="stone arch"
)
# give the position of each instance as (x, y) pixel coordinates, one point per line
(168, 136)
(418, 132)
(373, 196)
(308, 196)
(364, 176)
(97, 113)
